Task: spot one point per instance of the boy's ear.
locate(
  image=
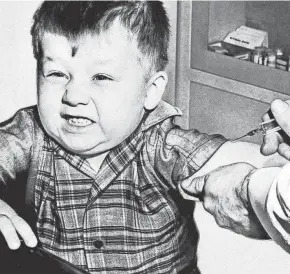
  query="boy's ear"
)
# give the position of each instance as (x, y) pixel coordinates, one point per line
(155, 89)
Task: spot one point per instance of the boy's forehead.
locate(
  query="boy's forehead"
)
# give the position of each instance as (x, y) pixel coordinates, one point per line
(114, 41)
(54, 45)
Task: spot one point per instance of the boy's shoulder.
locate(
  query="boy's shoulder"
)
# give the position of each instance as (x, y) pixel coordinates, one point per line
(28, 115)
(29, 111)
(21, 116)
(25, 119)
(162, 112)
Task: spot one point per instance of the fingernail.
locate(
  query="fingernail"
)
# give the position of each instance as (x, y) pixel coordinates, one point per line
(14, 245)
(32, 243)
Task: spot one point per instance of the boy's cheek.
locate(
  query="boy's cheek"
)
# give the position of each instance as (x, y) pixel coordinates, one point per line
(51, 90)
(42, 85)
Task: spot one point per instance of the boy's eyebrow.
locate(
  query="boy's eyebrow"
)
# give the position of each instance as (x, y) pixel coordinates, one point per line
(94, 62)
(48, 58)
(103, 61)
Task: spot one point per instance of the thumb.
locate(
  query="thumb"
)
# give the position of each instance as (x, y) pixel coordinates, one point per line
(194, 186)
(270, 144)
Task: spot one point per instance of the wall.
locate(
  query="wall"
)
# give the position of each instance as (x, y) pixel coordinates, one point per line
(17, 66)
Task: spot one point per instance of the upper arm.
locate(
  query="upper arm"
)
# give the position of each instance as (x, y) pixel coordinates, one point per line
(16, 140)
(235, 152)
(178, 154)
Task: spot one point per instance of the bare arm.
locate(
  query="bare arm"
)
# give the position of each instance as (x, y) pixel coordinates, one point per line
(241, 152)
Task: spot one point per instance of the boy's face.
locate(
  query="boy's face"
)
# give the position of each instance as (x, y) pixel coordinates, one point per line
(91, 99)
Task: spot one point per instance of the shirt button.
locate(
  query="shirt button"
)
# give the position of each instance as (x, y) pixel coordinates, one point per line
(98, 244)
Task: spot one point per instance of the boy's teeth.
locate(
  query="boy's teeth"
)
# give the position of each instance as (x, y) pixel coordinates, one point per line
(81, 122)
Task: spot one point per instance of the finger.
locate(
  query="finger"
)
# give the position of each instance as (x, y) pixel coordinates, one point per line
(6, 210)
(8, 231)
(266, 117)
(270, 144)
(194, 186)
(271, 141)
(281, 112)
(284, 150)
(24, 231)
(18, 224)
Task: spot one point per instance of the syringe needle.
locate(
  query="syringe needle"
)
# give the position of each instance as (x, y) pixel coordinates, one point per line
(265, 128)
(249, 134)
(241, 137)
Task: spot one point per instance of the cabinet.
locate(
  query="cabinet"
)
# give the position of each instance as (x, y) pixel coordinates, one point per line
(219, 94)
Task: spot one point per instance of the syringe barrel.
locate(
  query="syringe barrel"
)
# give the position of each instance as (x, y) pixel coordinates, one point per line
(269, 126)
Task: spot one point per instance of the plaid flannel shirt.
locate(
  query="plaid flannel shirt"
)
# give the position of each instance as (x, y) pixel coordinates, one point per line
(129, 216)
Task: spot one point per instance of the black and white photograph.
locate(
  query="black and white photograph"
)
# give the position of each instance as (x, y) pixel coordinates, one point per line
(144, 137)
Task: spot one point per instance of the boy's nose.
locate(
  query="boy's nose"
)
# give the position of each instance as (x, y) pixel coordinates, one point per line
(75, 94)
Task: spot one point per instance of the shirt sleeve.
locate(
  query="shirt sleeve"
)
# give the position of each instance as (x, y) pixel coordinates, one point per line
(180, 153)
(16, 139)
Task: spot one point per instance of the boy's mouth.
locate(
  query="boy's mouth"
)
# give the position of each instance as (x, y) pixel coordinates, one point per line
(77, 121)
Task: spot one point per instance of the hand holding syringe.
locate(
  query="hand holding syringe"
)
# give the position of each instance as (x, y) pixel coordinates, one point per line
(265, 128)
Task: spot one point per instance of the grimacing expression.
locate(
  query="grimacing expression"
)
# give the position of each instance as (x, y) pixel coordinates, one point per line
(94, 99)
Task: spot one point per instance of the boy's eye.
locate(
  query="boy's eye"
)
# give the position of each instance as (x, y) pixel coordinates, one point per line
(56, 77)
(101, 77)
(57, 74)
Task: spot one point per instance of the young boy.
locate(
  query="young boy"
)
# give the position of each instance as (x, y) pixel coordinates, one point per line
(103, 152)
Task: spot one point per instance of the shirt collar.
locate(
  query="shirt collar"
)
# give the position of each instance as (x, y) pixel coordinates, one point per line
(160, 113)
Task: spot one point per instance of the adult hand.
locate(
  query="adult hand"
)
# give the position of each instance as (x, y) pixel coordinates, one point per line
(225, 196)
(278, 141)
(11, 224)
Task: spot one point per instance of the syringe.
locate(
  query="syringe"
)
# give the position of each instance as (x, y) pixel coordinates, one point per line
(265, 128)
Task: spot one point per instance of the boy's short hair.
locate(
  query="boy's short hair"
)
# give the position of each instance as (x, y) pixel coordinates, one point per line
(147, 21)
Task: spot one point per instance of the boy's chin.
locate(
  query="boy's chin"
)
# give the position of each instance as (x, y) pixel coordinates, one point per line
(85, 150)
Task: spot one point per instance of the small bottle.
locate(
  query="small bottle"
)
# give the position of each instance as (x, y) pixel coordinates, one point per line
(281, 62)
(271, 59)
(258, 55)
(265, 60)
